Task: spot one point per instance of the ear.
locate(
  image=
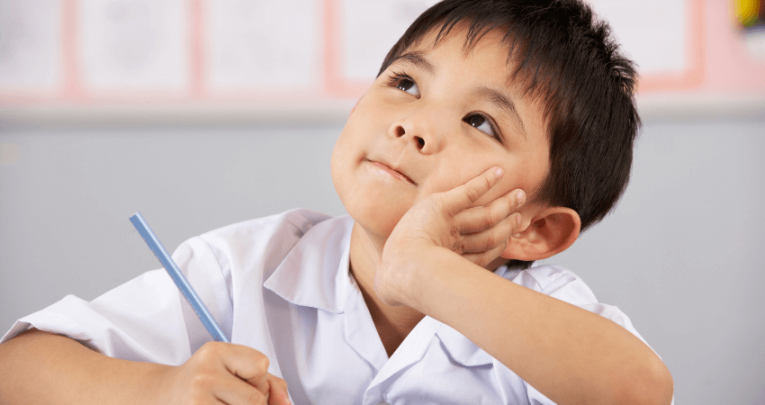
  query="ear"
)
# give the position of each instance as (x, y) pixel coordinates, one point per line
(550, 232)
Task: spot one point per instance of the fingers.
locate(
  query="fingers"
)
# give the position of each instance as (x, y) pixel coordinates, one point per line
(235, 391)
(247, 364)
(278, 391)
(485, 231)
(491, 238)
(236, 374)
(464, 196)
(486, 257)
(478, 219)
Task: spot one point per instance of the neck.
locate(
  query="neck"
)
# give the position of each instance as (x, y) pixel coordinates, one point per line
(393, 323)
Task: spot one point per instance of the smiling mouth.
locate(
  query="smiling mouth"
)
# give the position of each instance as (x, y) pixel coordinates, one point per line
(393, 172)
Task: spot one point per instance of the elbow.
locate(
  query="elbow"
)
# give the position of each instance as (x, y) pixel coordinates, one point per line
(652, 385)
(662, 385)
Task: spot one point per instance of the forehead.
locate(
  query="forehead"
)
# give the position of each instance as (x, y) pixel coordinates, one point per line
(460, 41)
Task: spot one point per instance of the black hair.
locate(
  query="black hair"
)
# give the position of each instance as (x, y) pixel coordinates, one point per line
(565, 57)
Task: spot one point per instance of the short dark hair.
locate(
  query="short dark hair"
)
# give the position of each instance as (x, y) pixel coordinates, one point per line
(565, 57)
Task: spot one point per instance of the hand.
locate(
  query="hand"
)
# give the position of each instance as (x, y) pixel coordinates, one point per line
(224, 373)
(448, 220)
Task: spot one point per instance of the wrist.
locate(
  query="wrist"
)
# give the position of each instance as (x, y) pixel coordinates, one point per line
(423, 273)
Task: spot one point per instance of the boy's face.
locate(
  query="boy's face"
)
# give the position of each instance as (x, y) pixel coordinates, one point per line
(434, 119)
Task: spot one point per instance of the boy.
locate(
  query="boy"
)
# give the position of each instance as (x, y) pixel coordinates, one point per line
(494, 133)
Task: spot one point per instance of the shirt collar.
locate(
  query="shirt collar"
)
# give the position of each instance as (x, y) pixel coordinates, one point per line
(315, 273)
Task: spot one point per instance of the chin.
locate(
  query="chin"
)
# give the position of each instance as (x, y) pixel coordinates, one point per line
(379, 223)
(376, 212)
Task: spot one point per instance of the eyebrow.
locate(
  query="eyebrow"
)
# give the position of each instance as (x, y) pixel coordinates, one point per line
(504, 102)
(418, 60)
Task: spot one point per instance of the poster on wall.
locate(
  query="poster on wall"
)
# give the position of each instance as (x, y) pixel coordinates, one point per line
(249, 48)
(31, 60)
(84, 55)
(133, 47)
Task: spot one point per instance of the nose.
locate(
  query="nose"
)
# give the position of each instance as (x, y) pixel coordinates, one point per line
(420, 131)
(401, 132)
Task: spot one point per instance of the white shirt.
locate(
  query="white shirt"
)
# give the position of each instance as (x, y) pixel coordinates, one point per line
(282, 285)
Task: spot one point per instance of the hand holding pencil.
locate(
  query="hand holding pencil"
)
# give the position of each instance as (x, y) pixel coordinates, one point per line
(219, 372)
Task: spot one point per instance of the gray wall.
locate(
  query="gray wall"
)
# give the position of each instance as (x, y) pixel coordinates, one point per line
(680, 255)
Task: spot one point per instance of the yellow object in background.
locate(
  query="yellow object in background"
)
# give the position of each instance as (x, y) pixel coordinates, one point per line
(749, 12)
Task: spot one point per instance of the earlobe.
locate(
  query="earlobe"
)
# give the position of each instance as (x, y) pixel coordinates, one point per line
(551, 231)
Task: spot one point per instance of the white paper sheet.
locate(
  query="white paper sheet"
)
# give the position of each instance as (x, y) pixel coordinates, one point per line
(369, 29)
(30, 45)
(253, 45)
(134, 45)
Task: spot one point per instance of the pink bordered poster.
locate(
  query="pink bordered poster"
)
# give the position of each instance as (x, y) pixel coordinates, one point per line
(83, 54)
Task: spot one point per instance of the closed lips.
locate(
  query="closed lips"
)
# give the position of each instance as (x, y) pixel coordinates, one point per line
(393, 172)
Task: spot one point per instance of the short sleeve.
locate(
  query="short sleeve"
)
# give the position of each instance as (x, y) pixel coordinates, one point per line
(563, 284)
(145, 319)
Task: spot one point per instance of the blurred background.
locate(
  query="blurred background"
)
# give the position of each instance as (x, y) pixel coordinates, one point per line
(202, 113)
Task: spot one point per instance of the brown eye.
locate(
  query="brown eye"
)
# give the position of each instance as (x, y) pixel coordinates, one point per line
(475, 120)
(404, 84)
(481, 123)
(407, 85)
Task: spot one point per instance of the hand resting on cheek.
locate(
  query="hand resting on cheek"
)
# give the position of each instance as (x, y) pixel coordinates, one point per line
(448, 220)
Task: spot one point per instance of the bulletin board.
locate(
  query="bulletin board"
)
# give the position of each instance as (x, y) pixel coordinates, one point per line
(209, 58)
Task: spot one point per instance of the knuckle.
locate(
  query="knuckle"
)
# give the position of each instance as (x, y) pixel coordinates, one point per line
(202, 382)
(209, 350)
(491, 241)
(487, 182)
(472, 194)
(489, 221)
(263, 363)
(459, 247)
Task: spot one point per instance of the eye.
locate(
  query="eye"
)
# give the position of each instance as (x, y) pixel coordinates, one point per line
(482, 123)
(405, 83)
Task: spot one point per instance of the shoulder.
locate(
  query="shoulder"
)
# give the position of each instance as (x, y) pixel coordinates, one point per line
(290, 224)
(563, 284)
(555, 281)
(271, 236)
(258, 245)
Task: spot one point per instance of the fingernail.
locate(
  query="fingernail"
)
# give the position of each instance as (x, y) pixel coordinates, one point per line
(521, 198)
(518, 220)
(498, 172)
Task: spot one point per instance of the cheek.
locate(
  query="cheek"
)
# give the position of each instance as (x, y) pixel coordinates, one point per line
(518, 173)
(456, 175)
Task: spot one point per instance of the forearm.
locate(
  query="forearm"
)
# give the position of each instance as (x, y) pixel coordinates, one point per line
(40, 368)
(567, 353)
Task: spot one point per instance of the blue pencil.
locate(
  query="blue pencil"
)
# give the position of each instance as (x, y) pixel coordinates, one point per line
(180, 281)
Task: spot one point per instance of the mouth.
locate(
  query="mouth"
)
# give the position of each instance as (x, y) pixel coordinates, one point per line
(391, 171)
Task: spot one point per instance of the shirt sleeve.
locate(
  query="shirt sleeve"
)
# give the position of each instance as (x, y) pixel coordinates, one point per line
(145, 319)
(566, 286)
